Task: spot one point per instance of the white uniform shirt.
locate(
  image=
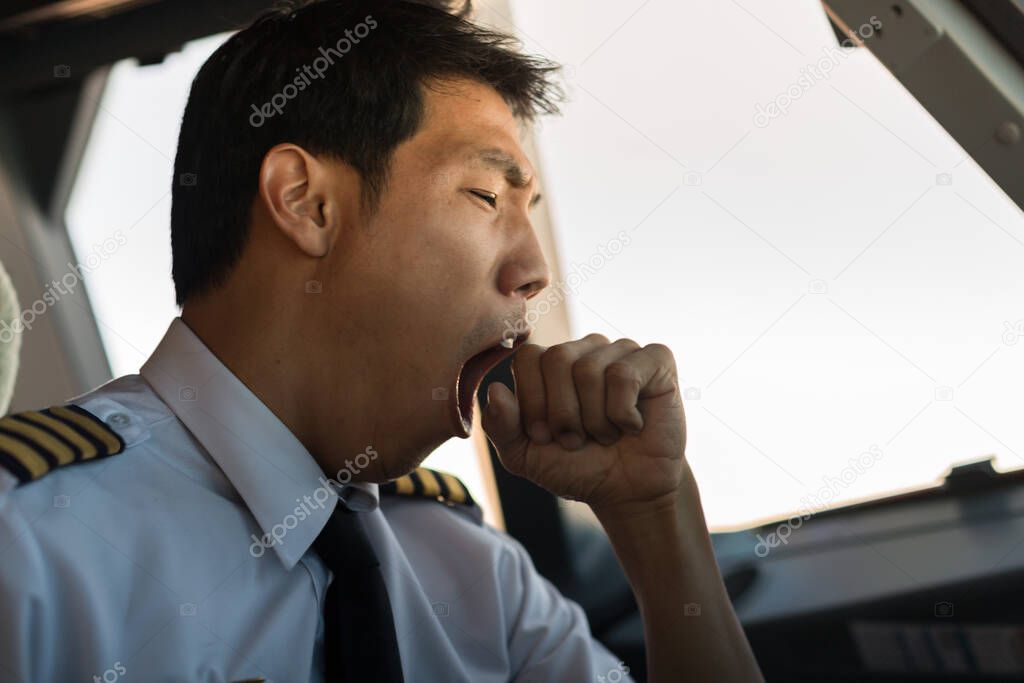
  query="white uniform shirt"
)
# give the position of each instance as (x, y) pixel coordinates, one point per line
(150, 565)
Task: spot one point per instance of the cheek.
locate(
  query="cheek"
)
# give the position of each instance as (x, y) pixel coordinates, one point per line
(447, 287)
(433, 246)
(451, 246)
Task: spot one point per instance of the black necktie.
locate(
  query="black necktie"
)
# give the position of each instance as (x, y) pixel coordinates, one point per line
(359, 631)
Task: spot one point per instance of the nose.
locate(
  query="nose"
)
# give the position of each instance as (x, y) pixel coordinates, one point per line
(526, 272)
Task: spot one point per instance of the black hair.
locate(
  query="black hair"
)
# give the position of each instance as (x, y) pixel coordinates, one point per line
(339, 78)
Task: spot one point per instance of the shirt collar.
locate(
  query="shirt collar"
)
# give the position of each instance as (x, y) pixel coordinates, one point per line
(281, 483)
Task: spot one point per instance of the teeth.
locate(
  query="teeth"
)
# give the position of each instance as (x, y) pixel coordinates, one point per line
(508, 342)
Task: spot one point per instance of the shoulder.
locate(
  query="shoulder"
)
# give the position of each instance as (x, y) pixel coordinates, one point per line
(460, 559)
(58, 462)
(95, 489)
(78, 482)
(50, 459)
(108, 421)
(424, 486)
(441, 529)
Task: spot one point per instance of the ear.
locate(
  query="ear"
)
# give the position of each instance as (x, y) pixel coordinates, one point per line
(295, 189)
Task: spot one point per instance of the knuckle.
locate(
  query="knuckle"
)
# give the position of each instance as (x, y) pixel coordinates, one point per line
(526, 356)
(586, 369)
(556, 355)
(528, 352)
(661, 351)
(627, 344)
(562, 417)
(620, 372)
(596, 337)
(620, 414)
(524, 365)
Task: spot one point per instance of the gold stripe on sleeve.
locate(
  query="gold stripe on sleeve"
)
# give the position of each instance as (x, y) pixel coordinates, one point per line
(32, 461)
(45, 441)
(96, 431)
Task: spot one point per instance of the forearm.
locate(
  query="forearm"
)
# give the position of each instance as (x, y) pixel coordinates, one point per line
(669, 561)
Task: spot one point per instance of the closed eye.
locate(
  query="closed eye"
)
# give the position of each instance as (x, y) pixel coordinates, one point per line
(486, 196)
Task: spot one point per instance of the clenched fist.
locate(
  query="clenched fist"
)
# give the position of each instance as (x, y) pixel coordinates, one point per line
(592, 420)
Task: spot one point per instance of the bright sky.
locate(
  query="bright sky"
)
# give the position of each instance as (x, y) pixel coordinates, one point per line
(836, 282)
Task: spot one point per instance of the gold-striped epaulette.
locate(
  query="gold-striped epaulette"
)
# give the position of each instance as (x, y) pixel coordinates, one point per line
(36, 441)
(433, 484)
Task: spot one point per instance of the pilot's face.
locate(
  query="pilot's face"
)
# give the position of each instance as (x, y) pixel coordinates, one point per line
(449, 259)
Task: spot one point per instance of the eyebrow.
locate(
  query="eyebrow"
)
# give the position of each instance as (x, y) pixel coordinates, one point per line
(503, 161)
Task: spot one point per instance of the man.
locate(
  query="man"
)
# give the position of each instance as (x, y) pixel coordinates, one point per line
(351, 237)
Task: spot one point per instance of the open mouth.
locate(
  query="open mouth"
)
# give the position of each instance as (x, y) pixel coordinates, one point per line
(472, 374)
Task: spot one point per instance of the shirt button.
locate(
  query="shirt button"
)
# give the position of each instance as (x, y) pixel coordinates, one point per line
(118, 419)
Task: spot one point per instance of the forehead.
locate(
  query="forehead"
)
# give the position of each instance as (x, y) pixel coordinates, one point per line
(461, 119)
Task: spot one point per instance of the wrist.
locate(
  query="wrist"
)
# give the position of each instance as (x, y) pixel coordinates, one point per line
(681, 502)
(639, 513)
(659, 540)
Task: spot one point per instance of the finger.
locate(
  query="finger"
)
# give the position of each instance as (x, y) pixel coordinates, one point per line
(646, 373)
(529, 383)
(502, 423)
(563, 404)
(589, 375)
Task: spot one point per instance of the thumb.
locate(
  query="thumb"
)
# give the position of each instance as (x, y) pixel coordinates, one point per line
(501, 422)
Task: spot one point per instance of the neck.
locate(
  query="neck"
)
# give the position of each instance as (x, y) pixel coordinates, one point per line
(329, 401)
